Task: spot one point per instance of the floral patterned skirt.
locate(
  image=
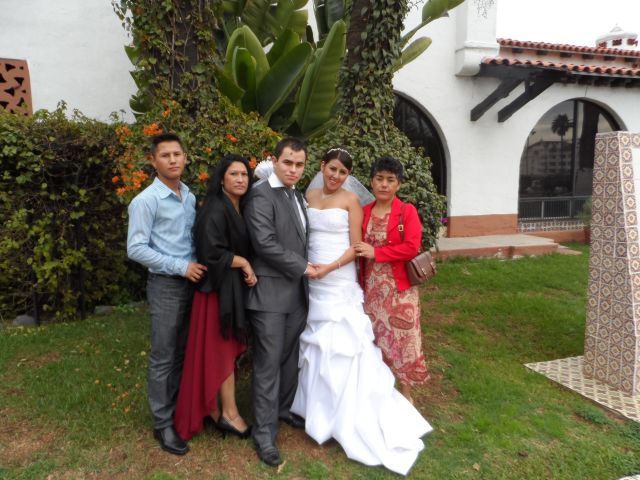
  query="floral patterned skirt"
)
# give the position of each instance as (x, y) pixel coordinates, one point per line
(395, 315)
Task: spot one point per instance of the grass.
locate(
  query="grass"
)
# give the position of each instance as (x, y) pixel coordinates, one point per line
(73, 400)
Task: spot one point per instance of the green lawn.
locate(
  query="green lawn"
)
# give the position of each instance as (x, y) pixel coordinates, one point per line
(73, 404)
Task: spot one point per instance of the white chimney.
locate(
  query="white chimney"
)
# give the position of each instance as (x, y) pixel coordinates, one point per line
(475, 34)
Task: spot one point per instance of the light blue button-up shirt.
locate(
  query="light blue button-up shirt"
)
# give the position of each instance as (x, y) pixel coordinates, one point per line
(160, 224)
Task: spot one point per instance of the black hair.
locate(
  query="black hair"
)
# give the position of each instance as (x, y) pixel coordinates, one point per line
(387, 164)
(293, 143)
(215, 184)
(163, 137)
(338, 153)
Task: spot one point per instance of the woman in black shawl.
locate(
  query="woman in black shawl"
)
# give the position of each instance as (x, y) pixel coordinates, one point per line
(218, 329)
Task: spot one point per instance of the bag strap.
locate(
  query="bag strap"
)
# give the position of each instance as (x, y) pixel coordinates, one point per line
(401, 224)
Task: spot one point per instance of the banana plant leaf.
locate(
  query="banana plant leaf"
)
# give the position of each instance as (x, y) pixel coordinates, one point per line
(412, 52)
(286, 16)
(285, 42)
(228, 86)
(434, 9)
(281, 79)
(243, 67)
(244, 37)
(318, 90)
(282, 119)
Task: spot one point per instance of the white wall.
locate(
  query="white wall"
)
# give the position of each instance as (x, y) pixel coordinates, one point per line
(483, 157)
(75, 53)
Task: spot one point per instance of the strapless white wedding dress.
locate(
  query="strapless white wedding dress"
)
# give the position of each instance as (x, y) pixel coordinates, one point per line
(345, 390)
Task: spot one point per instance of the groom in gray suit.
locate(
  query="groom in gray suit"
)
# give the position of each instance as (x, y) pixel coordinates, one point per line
(277, 224)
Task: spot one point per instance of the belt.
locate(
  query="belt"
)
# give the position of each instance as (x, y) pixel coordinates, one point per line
(172, 277)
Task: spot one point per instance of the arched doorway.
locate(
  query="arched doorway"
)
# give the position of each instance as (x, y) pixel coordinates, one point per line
(556, 167)
(412, 120)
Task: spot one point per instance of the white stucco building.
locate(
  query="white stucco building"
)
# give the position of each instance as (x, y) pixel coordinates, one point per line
(509, 124)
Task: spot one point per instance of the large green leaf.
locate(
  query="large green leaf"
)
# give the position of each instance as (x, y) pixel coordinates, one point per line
(319, 87)
(434, 9)
(286, 41)
(243, 67)
(228, 86)
(244, 37)
(286, 15)
(412, 52)
(281, 79)
(254, 15)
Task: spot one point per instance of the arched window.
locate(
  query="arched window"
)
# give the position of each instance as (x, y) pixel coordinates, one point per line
(556, 166)
(411, 119)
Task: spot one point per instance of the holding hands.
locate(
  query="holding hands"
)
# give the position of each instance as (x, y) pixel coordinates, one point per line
(363, 249)
(311, 271)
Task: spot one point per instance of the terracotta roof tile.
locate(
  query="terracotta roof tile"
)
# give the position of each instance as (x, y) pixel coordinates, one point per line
(633, 72)
(508, 42)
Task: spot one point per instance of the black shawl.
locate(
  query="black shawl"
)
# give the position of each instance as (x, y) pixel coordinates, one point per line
(219, 234)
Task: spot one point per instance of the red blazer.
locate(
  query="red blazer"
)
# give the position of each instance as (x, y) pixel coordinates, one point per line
(396, 251)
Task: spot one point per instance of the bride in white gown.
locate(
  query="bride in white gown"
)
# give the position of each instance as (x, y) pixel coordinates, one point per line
(345, 390)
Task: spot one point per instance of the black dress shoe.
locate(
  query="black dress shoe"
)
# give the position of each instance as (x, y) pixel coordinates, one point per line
(225, 427)
(270, 456)
(294, 420)
(170, 441)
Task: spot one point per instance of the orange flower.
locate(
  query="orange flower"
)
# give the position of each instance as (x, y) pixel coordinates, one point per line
(123, 132)
(166, 113)
(125, 178)
(203, 176)
(208, 150)
(253, 162)
(231, 138)
(115, 179)
(120, 191)
(152, 129)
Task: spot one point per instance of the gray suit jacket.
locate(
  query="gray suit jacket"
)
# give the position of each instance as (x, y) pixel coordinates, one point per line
(279, 250)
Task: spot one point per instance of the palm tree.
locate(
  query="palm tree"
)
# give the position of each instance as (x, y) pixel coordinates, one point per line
(560, 126)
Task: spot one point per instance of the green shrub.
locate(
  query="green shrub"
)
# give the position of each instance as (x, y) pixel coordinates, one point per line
(62, 241)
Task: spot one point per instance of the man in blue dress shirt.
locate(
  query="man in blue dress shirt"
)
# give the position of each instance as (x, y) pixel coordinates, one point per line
(159, 237)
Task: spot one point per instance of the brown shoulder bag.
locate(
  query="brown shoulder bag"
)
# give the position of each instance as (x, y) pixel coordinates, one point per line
(420, 268)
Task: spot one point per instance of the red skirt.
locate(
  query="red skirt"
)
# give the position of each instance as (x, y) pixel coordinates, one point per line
(208, 362)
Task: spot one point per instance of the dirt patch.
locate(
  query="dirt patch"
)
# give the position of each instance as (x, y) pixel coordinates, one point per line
(39, 361)
(20, 439)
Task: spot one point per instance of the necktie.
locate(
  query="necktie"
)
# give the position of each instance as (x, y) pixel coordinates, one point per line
(291, 195)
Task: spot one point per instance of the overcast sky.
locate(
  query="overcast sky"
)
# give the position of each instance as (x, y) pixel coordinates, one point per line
(576, 22)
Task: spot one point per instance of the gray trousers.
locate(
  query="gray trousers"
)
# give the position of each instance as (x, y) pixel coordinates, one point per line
(276, 348)
(169, 308)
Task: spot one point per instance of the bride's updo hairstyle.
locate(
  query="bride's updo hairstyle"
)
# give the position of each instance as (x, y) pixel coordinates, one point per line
(338, 153)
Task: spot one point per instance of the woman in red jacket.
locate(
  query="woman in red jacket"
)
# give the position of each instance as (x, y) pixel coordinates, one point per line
(390, 301)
